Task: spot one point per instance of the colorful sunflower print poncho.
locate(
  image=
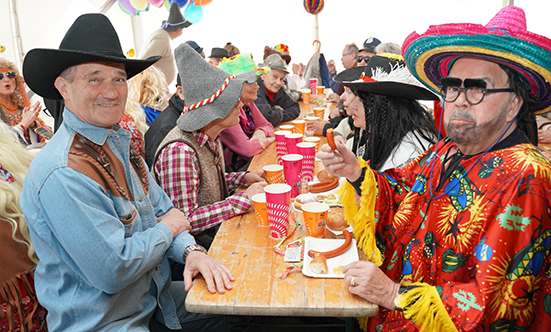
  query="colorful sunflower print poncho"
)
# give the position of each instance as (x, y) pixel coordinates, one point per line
(476, 245)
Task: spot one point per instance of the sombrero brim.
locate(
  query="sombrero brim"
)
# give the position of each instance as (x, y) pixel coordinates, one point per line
(198, 118)
(41, 67)
(429, 57)
(351, 76)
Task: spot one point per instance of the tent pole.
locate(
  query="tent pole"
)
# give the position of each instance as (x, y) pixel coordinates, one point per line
(108, 4)
(16, 32)
(315, 34)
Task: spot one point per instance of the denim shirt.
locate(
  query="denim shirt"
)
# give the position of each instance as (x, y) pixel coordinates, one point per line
(95, 273)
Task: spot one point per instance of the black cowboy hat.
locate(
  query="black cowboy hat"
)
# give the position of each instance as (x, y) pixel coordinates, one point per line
(386, 75)
(176, 20)
(91, 38)
(218, 52)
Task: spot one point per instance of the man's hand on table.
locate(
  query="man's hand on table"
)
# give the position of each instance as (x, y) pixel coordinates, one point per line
(371, 283)
(316, 126)
(176, 220)
(253, 177)
(260, 136)
(341, 162)
(217, 276)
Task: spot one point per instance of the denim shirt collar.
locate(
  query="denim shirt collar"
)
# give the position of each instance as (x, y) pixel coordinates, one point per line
(97, 135)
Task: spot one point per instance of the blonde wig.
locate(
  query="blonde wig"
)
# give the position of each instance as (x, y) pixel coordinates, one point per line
(17, 96)
(17, 161)
(137, 113)
(149, 88)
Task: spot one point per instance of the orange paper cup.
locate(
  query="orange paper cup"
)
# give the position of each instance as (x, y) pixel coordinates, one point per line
(260, 209)
(315, 216)
(287, 127)
(306, 96)
(300, 126)
(321, 90)
(313, 140)
(274, 173)
(320, 112)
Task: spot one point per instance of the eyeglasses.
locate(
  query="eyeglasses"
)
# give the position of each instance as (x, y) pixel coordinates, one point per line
(345, 54)
(360, 58)
(10, 74)
(475, 89)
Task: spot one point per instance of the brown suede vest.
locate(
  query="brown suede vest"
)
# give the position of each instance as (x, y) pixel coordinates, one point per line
(212, 178)
(102, 165)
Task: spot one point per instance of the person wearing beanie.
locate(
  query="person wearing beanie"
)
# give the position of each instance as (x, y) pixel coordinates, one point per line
(160, 42)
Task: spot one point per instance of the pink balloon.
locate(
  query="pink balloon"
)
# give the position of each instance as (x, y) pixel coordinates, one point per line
(156, 3)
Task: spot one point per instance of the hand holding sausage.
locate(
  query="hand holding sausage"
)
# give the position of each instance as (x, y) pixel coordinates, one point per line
(340, 162)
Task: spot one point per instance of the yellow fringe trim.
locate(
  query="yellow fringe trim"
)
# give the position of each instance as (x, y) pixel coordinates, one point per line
(424, 307)
(362, 220)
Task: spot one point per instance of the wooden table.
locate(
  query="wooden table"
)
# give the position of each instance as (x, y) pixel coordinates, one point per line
(247, 250)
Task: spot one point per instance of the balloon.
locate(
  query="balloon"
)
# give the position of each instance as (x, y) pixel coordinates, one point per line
(127, 7)
(202, 2)
(314, 7)
(156, 3)
(193, 13)
(139, 4)
(181, 3)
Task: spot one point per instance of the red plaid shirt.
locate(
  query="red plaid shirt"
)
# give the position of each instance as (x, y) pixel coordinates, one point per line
(178, 172)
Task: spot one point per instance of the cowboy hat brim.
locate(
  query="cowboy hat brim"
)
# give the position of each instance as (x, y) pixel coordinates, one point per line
(200, 117)
(41, 67)
(350, 78)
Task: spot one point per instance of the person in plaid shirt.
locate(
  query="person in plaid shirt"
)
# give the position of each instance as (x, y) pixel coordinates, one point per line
(189, 163)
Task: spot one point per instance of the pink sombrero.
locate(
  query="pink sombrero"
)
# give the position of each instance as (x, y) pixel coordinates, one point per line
(503, 40)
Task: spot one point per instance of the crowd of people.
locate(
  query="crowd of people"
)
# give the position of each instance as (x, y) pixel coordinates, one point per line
(108, 226)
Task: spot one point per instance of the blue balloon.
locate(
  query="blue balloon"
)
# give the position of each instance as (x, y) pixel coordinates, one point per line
(193, 13)
(181, 3)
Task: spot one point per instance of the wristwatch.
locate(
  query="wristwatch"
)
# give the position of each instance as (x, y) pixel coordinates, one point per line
(193, 247)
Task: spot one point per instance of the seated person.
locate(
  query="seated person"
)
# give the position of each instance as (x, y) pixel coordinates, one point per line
(19, 307)
(443, 234)
(15, 110)
(395, 128)
(217, 55)
(389, 47)
(273, 102)
(189, 163)
(149, 89)
(164, 123)
(368, 50)
(101, 226)
(253, 133)
(346, 127)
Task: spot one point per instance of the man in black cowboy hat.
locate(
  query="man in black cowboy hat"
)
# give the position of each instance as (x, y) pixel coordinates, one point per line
(103, 229)
(217, 55)
(160, 42)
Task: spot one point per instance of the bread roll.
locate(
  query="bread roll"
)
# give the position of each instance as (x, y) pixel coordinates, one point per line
(336, 221)
(324, 176)
(318, 265)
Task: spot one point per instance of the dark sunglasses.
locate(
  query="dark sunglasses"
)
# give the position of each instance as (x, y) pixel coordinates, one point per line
(360, 58)
(10, 74)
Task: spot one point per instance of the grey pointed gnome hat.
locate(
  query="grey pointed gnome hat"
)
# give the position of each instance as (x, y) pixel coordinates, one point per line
(200, 82)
